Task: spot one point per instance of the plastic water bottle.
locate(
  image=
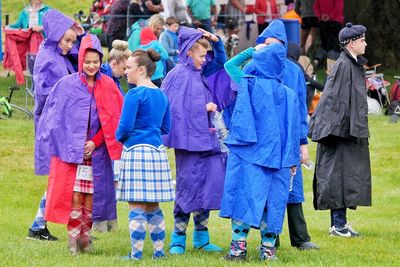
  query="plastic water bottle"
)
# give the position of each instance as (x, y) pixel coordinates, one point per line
(221, 130)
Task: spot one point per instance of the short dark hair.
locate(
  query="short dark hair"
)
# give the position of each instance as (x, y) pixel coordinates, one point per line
(171, 20)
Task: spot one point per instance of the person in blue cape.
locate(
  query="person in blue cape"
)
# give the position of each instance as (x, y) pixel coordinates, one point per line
(57, 57)
(77, 128)
(263, 147)
(293, 77)
(200, 163)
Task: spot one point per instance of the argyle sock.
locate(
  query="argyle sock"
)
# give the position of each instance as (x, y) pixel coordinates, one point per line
(200, 219)
(240, 232)
(74, 227)
(156, 225)
(40, 222)
(267, 239)
(181, 221)
(137, 230)
(87, 223)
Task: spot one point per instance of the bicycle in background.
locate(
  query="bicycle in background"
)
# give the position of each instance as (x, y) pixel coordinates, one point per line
(9, 109)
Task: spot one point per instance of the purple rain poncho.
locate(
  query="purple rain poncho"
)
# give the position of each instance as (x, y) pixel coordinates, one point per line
(200, 164)
(62, 132)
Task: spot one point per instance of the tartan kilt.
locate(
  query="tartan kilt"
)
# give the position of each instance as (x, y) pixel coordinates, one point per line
(84, 186)
(145, 175)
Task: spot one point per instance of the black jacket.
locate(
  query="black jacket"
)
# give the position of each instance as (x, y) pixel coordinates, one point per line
(342, 110)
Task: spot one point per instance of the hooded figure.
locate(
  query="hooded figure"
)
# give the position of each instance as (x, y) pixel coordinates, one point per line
(51, 64)
(200, 164)
(258, 143)
(263, 145)
(293, 77)
(71, 116)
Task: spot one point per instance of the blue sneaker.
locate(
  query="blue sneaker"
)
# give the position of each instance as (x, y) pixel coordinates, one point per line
(129, 257)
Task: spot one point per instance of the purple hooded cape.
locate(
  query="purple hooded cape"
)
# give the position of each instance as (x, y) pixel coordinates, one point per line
(62, 132)
(50, 64)
(200, 164)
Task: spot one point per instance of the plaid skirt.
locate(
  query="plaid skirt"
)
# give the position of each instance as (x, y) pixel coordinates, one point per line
(84, 186)
(145, 175)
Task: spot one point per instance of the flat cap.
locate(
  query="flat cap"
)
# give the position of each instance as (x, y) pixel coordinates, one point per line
(351, 32)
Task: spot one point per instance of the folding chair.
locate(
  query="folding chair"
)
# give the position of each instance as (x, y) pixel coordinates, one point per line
(29, 86)
(377, 83)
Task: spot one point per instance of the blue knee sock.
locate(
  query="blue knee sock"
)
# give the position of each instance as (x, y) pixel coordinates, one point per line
(40, 222)
(200, 219)
(267, 239)
(137, 230)
(240, 230)
(156, 225)
(181, 221)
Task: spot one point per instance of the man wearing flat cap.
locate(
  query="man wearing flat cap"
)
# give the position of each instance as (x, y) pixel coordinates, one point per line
(342, 177)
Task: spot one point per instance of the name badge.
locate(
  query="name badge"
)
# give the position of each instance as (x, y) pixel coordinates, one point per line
(116, 167)
(84, 173)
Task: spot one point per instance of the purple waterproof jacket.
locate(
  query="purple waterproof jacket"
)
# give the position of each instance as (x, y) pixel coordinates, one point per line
(188, 94)
(50, 64)
(62, 130)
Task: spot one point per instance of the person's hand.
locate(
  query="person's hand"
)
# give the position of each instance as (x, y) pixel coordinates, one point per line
(208, 35)
(37, 28)
(78, 28)
(196, 23)
(293, 170)
(304, 157)
(259, 46)
(211, 107)
(214, 22)
(88, 148)
(324, 17)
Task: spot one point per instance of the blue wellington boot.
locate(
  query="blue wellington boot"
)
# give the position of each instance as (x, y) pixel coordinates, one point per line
(201, 240)
(178, 244)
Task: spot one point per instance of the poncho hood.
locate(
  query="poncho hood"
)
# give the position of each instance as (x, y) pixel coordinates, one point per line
(89, 42)
(186, 39)
(146, 36)
(267, 62)
(55, 24)
(276, 29)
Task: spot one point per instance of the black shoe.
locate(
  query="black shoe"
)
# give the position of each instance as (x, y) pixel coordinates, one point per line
(42, 234)
(230, 257)
(308, 246)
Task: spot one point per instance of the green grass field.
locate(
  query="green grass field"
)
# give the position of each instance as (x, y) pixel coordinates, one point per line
(20, 193)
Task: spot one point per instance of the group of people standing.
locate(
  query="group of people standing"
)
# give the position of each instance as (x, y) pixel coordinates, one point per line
(98, 146)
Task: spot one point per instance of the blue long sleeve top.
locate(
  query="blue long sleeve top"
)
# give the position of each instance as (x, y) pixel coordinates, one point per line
(145, 117)
(160, 69)
(234, 66)
(219, 59)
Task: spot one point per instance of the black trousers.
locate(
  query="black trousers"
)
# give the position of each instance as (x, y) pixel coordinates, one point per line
(297, 225)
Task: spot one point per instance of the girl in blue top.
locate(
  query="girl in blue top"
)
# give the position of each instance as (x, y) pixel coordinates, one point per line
(116, 64)
(145, 177)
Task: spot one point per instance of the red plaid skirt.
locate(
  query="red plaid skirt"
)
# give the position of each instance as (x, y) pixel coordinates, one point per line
(84, 186)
